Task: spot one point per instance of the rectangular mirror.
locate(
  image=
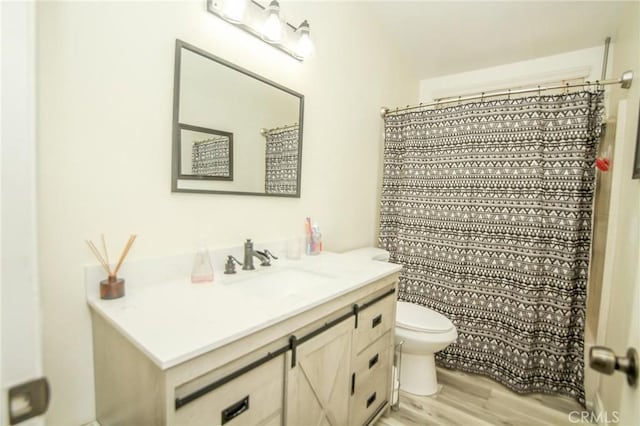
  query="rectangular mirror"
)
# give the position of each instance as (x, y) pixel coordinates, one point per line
(234, 131)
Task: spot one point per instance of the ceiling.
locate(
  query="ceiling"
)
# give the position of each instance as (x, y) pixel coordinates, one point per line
(446, 37)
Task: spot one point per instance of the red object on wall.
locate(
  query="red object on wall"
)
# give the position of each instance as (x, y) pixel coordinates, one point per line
(602, 164)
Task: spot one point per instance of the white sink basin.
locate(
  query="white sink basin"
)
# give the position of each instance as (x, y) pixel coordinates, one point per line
(275, 284)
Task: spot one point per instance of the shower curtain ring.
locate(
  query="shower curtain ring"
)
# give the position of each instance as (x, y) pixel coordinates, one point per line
(459, 97)
(509, 95)
(539, 94)
(566, 89)
(482, 97)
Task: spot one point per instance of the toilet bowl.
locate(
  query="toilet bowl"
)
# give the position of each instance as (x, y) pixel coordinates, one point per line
(422, 331)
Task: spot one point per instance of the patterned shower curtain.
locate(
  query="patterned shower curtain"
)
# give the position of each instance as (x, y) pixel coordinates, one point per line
(281, 169)
(488, 208)
(210, 157)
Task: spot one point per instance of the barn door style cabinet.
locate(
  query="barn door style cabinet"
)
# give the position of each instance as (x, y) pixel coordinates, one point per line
(329, 365)
(341, 375)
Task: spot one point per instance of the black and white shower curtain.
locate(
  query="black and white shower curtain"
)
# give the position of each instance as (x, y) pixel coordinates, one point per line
(281, 169)
(488, 208)
(210, 157)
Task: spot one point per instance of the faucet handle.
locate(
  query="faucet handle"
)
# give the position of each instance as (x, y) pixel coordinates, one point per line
(230, 267)
(264, 258)
(268, 253)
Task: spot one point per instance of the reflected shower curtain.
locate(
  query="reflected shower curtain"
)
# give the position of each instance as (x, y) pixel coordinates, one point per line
(281, 169)
(488, 208)
(210, 157)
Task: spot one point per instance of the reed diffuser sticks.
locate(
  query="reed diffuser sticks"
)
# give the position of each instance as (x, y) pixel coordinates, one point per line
(104, 261)
(112, 287)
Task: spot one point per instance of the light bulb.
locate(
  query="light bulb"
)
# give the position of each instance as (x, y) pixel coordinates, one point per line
(304, 46)
(233, 10)
(272, 28)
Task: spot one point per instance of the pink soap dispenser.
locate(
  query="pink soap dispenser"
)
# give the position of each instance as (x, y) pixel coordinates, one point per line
(202, 271)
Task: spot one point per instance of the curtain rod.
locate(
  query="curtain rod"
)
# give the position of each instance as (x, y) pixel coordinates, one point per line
(212, 139)
(264, 131)
(625, 82)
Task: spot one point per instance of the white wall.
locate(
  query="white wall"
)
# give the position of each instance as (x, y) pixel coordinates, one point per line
(105, 81)
(585, 63)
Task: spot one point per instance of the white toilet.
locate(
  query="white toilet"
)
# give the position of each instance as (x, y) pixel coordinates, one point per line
(423, 332)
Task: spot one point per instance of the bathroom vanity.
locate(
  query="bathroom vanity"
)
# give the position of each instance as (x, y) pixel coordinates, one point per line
(300, 342)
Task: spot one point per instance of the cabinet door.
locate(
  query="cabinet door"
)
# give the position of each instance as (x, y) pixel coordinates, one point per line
(319, 385)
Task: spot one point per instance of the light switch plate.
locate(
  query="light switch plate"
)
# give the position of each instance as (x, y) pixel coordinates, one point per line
(28, 400)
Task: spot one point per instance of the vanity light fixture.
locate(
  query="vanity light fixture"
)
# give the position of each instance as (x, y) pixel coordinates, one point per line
(304, 46)
(272, 28)
(233, 10)
(266, 24)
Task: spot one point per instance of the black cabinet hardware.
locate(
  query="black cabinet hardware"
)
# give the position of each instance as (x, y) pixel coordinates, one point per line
(373, 361)
(293, 344)
(371, 399)
(376, 321)
(235, 410)
(353, 383)
(356, 309)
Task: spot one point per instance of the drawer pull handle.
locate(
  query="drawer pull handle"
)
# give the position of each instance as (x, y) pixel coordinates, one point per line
(376, 321)
(353, 383)
(371, 399)
(235, 410)
(373, 361)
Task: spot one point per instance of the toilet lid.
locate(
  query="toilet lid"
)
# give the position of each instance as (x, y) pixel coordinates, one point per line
(420, 318)
(373, 253)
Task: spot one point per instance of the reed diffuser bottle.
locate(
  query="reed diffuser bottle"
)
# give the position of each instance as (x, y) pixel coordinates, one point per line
(112, 287)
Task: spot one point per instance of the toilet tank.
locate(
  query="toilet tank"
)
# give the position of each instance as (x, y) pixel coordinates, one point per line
(373, 253)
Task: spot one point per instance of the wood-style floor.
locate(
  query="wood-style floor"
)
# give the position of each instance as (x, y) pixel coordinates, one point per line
(467, 399)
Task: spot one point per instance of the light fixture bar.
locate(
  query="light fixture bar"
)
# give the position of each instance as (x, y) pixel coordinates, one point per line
(254, 16)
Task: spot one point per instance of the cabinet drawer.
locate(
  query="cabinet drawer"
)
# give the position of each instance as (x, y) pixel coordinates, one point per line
(372, 362)
(369, 397)
(374, 321)
(254, 398)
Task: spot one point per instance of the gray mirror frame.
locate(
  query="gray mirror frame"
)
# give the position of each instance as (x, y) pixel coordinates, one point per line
(177, 126)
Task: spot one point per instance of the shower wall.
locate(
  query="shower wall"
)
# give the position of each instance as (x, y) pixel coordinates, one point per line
(602, 196)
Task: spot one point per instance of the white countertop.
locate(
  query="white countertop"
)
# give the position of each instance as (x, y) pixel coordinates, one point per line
(172, 320)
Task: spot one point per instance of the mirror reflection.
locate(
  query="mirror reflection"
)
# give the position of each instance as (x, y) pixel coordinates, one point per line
(205, 153)
(234, 131)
